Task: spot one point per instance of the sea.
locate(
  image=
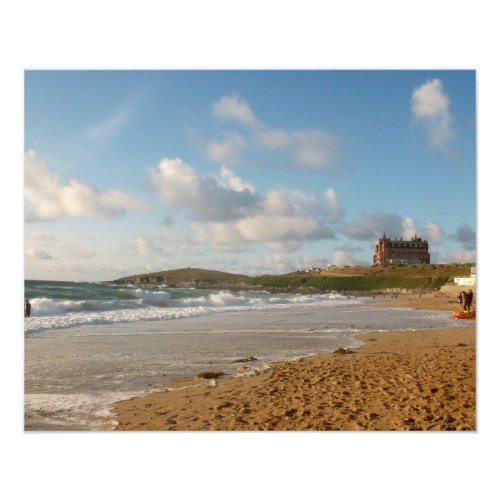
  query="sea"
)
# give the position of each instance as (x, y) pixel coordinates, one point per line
(89, 345)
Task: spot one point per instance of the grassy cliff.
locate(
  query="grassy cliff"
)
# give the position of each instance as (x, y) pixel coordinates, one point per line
(187, 277)
(349, 283)
(355, 279)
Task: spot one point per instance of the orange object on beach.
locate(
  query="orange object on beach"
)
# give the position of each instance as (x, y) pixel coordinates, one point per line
(465, 315)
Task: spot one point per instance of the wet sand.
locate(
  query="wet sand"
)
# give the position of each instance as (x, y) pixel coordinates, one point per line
(422, 380)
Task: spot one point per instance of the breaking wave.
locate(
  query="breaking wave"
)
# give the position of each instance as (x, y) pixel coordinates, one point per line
(110, 304)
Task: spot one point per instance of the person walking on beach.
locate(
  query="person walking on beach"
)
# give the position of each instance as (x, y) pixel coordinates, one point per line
(468, 300)
(27, 308)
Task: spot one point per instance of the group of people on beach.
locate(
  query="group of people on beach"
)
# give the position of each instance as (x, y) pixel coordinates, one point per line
(465, 299)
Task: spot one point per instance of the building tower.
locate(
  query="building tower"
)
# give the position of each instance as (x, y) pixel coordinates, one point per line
(394, 251)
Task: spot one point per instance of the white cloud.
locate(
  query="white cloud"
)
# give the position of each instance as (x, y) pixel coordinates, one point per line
(175, 182)
(309, 148)
(145, 247)
(466, 236)
(409, 228)
(227, 150)
(275, 264)
(434, 232)
(272, 138)
(227, 214)
(461, 256)
(34, 254)
(333, 204)
(181, 242)
(39, 236)
(280, 233)
(271, 228)
(314, 148)
(219, 236)
(53, 199)
(232, 107)
(75, 251)
(207, 198)
(373, 226)
(276, 202)
(109, 127)
(279, 264)
(345, 255)
(430, 106)
(228, 180)
(342, 258)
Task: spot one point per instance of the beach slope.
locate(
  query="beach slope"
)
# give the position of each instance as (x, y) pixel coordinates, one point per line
(418, 380)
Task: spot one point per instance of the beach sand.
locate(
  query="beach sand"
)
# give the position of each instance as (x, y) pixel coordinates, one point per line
(445, 300)
(423, 380)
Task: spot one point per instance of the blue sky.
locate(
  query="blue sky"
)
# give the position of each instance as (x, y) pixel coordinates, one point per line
(244, 171)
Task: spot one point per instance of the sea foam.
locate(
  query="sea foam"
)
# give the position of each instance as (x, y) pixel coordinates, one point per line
(161, 305)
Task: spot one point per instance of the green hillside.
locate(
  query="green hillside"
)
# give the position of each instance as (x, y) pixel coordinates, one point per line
(355, 279)
(187, 277)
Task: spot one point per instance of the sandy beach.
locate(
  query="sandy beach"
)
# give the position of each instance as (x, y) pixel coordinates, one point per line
(422, 380)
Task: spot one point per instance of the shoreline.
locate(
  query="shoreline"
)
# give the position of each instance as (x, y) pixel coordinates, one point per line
(418, 380)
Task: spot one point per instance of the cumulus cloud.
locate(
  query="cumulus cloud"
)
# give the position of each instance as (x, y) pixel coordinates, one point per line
(39, 236)
(279, 264)
(219, 236)
(53, 199)
(434, 232)
(409, 228)
(309, 148)
(461, 256)
(181, 242)
(332, 204)
(226, 150)
(430, 107)
(227, 179)
(345, 255)
(371, 227)
(232, 107)
(466, 236)
(342, 258)
(145, 247)
(227, 213)
(34, 254)
(282, 232)
(207, 198)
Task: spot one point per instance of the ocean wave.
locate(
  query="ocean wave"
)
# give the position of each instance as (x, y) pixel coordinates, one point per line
(161, 305)
(44, 306)
(41, 323)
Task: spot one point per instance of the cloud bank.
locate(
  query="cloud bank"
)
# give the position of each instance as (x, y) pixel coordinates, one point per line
(371, 227)
(430, 107)
(308, 148)
(53, 199)
(227, 213)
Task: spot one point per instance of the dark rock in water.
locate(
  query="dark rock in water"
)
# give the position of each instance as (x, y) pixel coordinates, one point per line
(206, 375)
(245, 360)
(344, 351)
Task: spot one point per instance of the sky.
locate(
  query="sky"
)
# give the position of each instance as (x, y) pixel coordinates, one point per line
(250, 172)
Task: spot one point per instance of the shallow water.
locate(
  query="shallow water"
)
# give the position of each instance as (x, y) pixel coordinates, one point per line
(72, 376)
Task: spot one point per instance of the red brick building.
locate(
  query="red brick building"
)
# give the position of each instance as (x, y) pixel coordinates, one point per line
(414, 251)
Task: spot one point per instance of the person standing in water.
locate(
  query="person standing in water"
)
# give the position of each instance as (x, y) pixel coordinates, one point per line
(27, 308)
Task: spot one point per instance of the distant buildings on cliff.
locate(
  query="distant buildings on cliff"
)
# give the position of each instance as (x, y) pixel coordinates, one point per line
(394, 251)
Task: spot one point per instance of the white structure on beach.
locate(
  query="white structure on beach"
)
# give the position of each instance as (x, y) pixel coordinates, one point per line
(467, 280)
